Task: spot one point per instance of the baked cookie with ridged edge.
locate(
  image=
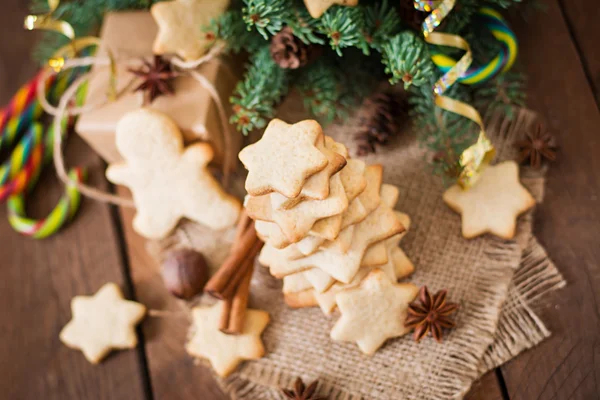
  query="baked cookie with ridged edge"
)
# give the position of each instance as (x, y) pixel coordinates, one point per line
(373, 312)
(493, 204)
(225, 352)
(284, 158)
(102, 322)
(181, 23)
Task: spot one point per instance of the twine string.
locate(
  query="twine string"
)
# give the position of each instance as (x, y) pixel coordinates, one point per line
(64, 109)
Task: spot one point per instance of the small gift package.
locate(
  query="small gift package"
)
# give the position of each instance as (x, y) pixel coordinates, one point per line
(127, 38)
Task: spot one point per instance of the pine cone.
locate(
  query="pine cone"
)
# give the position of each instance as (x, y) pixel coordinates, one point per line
(288, 51)
(412, 17)
(387, 110)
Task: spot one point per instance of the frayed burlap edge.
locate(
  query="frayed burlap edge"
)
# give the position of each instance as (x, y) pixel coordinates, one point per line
(519, 327)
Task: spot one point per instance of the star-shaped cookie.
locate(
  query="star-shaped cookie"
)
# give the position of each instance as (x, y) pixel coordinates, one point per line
(297, 222)
(102, 322)
(373, 312)
(167, 181)
(317, 186)
(225, 351)
(343, 266)
(284, 158)
(316, 8)
(180, 26)
(493, 204)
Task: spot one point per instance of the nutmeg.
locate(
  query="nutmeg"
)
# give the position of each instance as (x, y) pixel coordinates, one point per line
(184, 272)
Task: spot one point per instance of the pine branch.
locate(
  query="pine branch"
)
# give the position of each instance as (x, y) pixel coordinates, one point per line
(406, 58)
(502, 94)
(320, 87)
(268, 17)
(231, 28)
(444, 133)
(345, 27)
(255, 97)
(381, 23)
(304, 26)
(84, 15)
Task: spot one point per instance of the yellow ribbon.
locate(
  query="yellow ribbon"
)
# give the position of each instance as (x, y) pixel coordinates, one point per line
(475, 158)
(75, 45)
(49, 23)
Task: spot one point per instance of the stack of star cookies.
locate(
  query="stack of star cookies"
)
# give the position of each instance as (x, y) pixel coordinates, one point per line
(327, 220)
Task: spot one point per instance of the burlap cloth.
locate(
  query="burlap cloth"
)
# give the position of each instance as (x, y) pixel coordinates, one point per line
(494, 281)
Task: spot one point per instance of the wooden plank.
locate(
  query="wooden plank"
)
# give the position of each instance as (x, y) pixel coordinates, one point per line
(40, 277)
(486, 388)
(568, 222)
(582, 17)
(173, 373)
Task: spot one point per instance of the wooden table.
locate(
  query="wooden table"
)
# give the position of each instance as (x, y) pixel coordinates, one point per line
(559, 53)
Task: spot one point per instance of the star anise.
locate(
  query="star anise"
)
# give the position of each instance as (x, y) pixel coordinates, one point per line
(156, 78)
(301, 392)
(430, 314)
(537, 145)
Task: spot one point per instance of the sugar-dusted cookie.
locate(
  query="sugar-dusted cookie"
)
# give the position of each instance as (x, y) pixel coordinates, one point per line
(181, 23)
(493, 204)
(316, 8)
(284, 158)
(225, 351)
(102, 322)
(317, 186)
(296, 222)
(373, 312)
(167, 181)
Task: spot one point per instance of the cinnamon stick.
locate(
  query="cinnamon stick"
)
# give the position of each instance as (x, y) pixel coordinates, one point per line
(225, 315)
(239, 252)
(231, 286)
(239, 304)
(241, 227)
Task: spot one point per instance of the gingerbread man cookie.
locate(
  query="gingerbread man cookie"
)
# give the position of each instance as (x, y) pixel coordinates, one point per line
(167, 181)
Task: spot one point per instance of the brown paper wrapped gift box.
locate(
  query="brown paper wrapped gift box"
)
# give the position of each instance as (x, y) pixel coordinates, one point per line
(129, 36)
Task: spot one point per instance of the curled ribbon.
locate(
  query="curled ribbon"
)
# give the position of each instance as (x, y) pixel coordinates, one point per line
(475, 158)
(49, 23)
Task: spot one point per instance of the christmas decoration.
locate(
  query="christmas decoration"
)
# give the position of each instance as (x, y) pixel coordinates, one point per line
(302, 392)
(537, 145)
(386, 110)
(19, 173)
(430, 314)
(366, 34)
(128, 37)
(156, 76)
(288, 51)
